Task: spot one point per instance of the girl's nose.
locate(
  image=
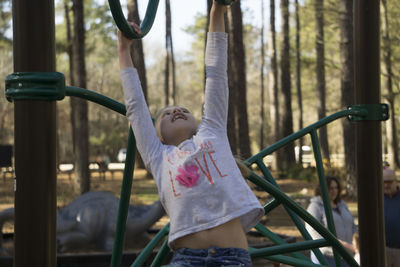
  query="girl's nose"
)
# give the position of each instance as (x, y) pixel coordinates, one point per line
(177, 109)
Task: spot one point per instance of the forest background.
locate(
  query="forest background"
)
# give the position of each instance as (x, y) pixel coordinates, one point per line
(283, 77)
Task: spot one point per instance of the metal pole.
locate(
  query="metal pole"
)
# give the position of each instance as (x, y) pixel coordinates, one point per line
(369, 142)
(35, 138)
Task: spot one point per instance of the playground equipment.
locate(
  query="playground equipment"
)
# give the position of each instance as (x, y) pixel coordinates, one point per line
(52, 85)
(145, 26)
(35, 93)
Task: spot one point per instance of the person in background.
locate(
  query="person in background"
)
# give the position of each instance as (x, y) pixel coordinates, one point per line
(392, 217)
(342, 218)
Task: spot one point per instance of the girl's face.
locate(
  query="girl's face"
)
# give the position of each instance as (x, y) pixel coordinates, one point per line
(333, 190)
(175, 124)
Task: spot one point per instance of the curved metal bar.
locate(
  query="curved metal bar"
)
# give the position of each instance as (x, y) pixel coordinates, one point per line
(124, 27)
(96, 98)
(304, 131)
(124, 201)
(141, 259)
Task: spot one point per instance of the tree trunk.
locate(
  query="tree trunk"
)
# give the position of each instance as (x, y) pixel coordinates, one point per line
(79, 107)
(166, 70)
(298, 81)
(138, 60)
(232, 117)
(169, 81)
(238, 71)
(274, 94)
(320, 70)
(387, 58)
(137, 46)
(67, 10)
(209, 5)
(347, 89)
(262, 117)
(288, 158)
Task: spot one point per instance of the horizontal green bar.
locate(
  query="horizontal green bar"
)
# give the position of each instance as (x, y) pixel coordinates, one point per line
(276, 239)
(287, 248)
(96, 98)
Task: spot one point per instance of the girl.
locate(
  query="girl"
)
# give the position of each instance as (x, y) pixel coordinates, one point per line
(342, 218)
(209, 203)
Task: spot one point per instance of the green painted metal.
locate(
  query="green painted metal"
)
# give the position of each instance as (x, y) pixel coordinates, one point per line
(277, 240)
(376, 112)
(271, 205)
(286, 140)
(124, 201)
(288, 248)
(161, 255)
(96, 98)
(35, 86)
(125, 28)
(267, 182)
(141, 259)
(293, 216)
(303, 214)
(324, 189)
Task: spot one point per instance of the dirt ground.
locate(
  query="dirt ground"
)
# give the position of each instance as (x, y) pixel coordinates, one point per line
(144, 191)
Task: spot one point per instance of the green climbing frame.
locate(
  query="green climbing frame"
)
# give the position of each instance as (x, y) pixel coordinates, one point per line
(51, 86)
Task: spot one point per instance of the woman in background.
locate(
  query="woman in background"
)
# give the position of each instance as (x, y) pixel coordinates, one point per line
(342, 218)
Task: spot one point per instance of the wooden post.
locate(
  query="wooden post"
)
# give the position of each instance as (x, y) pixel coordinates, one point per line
(369, 134)
(35, 138)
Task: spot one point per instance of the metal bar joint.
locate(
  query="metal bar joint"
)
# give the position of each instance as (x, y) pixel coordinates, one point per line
(370, 112)
(35, 86)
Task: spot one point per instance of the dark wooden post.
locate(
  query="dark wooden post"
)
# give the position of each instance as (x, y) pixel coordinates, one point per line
(369, 134)
(35, 138)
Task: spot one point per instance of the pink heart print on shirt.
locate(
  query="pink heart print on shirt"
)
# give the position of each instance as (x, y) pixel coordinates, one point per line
(188, 175)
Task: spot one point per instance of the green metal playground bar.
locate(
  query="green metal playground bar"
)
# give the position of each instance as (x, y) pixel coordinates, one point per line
(55, 84)
(34, 88)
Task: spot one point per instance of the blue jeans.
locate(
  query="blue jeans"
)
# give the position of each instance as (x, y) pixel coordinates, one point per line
(211, 257)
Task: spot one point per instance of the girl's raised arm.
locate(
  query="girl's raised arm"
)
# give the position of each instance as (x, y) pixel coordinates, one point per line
(124, 44)
(217, 23)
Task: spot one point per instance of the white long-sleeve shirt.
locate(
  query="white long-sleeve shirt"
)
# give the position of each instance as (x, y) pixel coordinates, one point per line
(199, 183)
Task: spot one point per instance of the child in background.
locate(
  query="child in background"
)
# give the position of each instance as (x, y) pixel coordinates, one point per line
(210, 205)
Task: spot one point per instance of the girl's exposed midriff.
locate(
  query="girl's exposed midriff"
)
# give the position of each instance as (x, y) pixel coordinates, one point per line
(226, 235)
